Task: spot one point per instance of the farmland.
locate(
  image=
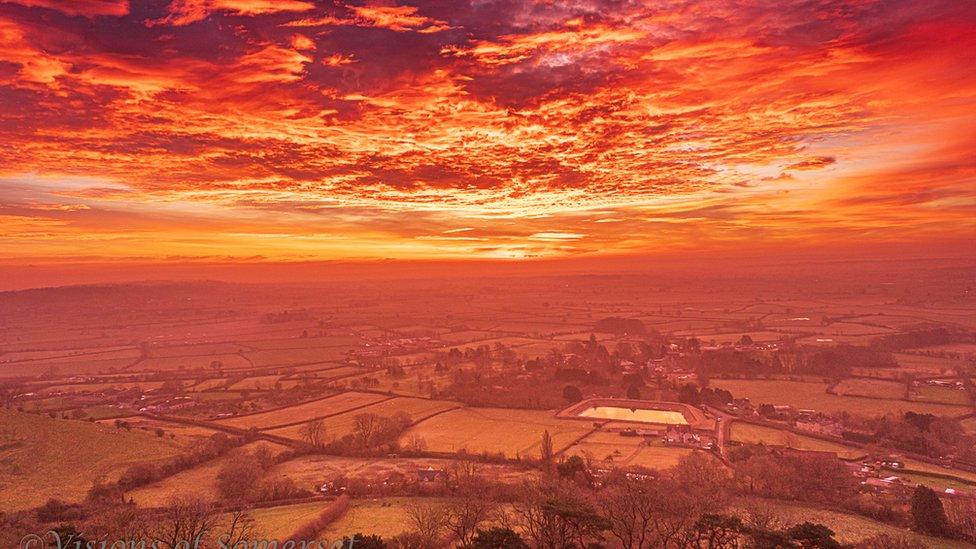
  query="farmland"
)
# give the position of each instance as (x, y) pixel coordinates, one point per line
(610, 448)
(279, 522)
(342, 424)
(308, 411)
(386, 517)
(476, 374)
(757, 434)
(44, 457)
(198, 481)
(510, 432)
(815, 396)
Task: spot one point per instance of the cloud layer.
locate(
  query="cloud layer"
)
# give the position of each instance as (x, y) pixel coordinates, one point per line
(495, 128)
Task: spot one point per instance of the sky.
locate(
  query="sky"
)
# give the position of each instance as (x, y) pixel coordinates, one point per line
(148, 131)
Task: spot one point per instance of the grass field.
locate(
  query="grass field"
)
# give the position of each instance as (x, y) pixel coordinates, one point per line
(610, 448)
(188, 433)
(758, 434)
(849, 529)
(276, 523)
(308, 411)
(874, 388)
(64, 367)
(202, 362)
(257, 383)
(925, 364)
(312, 470)
(200, 481)
(814, 396)
(285, 357)
(386, 517)
(512, 432)
(945, 395)
(44, 458)
(928, 468)
(343, 424)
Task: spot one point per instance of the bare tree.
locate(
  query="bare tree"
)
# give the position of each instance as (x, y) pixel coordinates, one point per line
(546, 453)
(556, 515)
(761, 515)
(630, 507)
(365, 428)
(465, 514)
(428, 521)
(239, 526)
(183, 521)
(313, 432)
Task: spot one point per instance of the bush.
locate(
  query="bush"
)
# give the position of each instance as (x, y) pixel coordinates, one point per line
(311, 529)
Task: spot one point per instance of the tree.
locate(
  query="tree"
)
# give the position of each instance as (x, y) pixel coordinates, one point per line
(572, 393)
(556, 515)
(66, 535)
(365, 426)
(571, 467)
(497, 538)
(688, 394)
(888, 541)
(313, 432)
(630, 508)
(428, 523)
(371, 541)
(928, 515)
(182, 522)
(466, 513)
(546, 452)
(962, 516)
(813, 535)
(718, 531)
(239, 476)
(239, 527)
(633, 392)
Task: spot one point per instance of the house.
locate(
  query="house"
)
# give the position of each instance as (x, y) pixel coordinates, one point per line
(892, 463)
(430, 474)
(681, 435)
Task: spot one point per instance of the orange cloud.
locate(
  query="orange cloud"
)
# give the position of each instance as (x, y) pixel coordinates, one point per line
(429, 129)
(184, 12)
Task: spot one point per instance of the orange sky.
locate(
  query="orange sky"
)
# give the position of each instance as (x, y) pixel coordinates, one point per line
(442, 129)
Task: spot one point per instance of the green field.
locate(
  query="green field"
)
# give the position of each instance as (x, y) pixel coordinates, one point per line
(386, 517)
(849, 529)
(44, 458)
(343, 424)
(609, 448)
(814, 396)
(758, 434)
(307, 411)
(199, 481)
(277, 523)
(874, 388)
(512, 432)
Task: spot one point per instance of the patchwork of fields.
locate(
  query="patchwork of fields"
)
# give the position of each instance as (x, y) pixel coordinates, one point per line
(496, 430)
(316, 409)
(815, 396)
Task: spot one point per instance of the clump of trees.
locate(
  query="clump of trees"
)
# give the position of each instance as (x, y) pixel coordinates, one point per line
(620, 326)
(372, 434)
(145, 473)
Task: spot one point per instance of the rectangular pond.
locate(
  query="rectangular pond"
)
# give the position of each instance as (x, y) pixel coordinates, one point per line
(635, 414)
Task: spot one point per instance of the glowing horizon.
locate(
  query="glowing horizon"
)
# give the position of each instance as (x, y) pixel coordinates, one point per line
(295, 130)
